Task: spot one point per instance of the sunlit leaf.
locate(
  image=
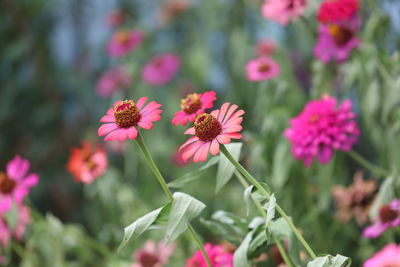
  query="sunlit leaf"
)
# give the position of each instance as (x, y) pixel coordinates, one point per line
(330, 261)
(225, 167)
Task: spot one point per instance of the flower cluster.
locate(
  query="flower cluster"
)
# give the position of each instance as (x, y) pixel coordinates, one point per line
(321, 128)
(217, 254)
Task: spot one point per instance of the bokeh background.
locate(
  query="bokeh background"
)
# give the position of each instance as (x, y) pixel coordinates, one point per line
(53, 52)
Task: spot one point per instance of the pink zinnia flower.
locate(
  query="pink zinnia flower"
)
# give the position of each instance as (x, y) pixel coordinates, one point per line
(389, 256)
(153, 255)
(282, 11)
(218, 257)
(336, 41)
(6, 232)
(123, 42)
(332, 11)
(210, 130)
(122, 119)
(322, 128)
(265, 47)
(389, 216)
(15, 183)
(113, 80)
(193, 105)
(116, 18)
(87, 163)
(262, 68)
(161, 69)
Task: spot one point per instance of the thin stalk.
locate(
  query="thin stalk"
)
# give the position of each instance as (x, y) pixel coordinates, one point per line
(264, 192)
(278, 243)
(160, 178)
(375, 169)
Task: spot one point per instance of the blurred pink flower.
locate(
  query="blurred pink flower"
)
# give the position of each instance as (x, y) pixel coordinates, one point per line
(282, 11)
(177, 159)
(262, 68)
(123, 42)
(18, 230)
(218, 257)
(389, 256)
(336, 41)
(161, 69)
(15, 183)
(193, 105)
(210, 130)
(332, 11)
(122, 119)
(322, 128)
(87, 163)
(153, 255)
(265, 47)
(113, 80)
(389, 216)
(116, 18)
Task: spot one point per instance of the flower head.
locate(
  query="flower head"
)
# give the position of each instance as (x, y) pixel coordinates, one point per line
(336, 41)
(282, 11)
(210, 130)
(123, 42)
(265, 47)
(193, 105)
(153, 255)
(261, 69)
(321, 128)
(161, 69)
(113, 80)
(122, 119)
(389, 216)
(87, 163)
(355, 200)
(389, 256)
(332, 11)
(217, 254)
(15, 183)
(116, 18)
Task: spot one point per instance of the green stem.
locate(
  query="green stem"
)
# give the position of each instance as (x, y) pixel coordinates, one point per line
(264, 192)
(278, 243)
(375, 169)
(309, 27)
(163, 184)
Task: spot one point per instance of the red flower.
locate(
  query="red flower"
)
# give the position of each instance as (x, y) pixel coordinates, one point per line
(87, 163)
(331, 11)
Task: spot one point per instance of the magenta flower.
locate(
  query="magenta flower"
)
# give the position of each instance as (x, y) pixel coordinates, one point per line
(153, 255)
(218, 257)
(336, 41)
(6, 232)
(283, 11)
(262, 68)
(321, 128)
(122, 119)
(15, 183)
(265, 47)
(389, 256)
(210, 130)
(389, 216)
(161, 69)
(193, 105)
(113, 80)
(123, 42)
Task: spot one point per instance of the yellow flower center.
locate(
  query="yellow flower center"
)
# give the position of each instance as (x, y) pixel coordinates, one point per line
(207, 127)
(191, 103)
(126, 114)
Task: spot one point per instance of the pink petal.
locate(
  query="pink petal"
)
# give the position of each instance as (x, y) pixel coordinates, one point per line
(229, 113)
(204, 153)
(107, 118)
(110, 111)
(149, 108)
(234, 135)
(119, 134)
(145, 124)
(232, 129)
(5, 204)
(20, 193)
(189, 141)
(190, 131)
(222, 113)
(106, 128)
(30, 180)
(151, 117)
(214, 148)
(200, 151)
(140, 102)
(215, 113)
(17, 168)
(132, 133)
(190, 150)
(235, 116)
(223, 139)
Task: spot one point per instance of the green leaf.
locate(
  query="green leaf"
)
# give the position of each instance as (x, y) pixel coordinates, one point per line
(251, 193)
(240, 258)
(330, 261)
(385, 195)
(270, 208)
(225, 167)
(142, 224)
(184, 209)
(280, 228)
(259, 241)
(194, 175)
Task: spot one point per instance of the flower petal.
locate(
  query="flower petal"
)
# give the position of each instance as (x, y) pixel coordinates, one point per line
(222, 113)
(140, 102)
(214, 148)
(223, 139)
(190, 131)
(106, 128)
(119, 134)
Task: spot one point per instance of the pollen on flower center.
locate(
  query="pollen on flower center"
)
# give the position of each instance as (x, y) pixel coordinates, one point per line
(340, 34)
(207, 127)
(7, 184)
(387, 214)
(126, 114)
(122, 37)
(191, 103)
